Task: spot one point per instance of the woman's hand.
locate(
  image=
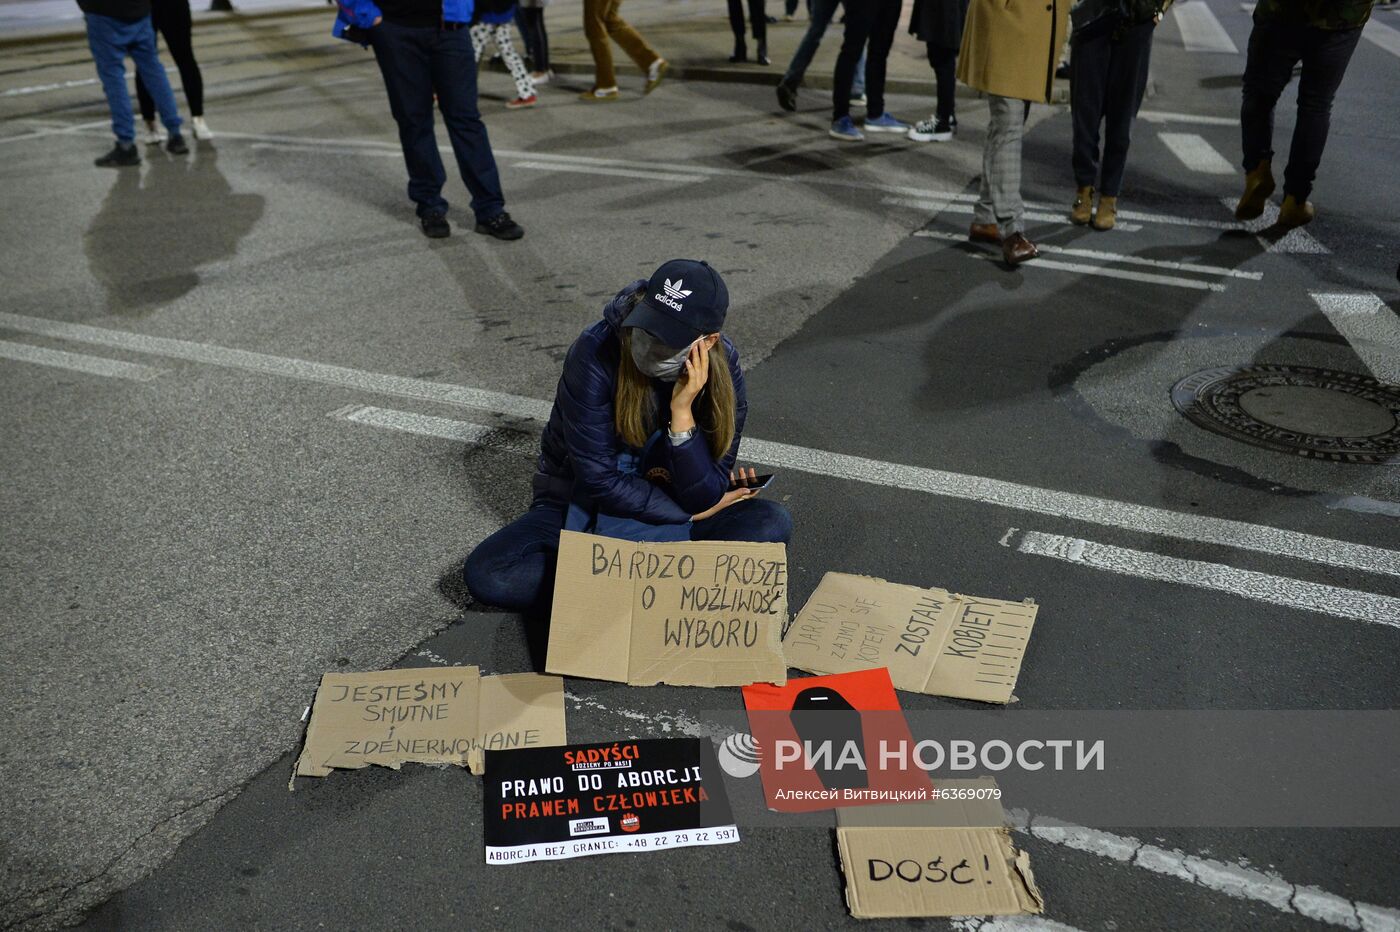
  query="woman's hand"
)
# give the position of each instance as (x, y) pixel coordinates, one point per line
(688, 386)
(733, 495)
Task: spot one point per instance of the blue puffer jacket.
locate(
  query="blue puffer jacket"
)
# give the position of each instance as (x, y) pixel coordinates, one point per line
(580, 446)
(362, 14)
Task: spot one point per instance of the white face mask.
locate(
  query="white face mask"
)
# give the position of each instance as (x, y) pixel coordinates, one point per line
(656, 359)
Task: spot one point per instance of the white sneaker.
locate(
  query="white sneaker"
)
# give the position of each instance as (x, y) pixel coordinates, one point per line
(858, 100)
(541, 77)
(201, 129)
(153, 136)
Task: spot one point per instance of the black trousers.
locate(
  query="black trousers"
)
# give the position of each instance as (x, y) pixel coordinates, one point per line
(1108, 76)
(531, 23)
(1274, 48)
(172, 19)
(758, 19)
(872, 21)
(945, 72)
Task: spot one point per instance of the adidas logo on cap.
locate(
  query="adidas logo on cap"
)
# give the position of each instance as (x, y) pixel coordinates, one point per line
(674, 294)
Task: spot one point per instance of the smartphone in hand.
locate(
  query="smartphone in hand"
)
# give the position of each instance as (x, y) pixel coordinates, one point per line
(757, 483)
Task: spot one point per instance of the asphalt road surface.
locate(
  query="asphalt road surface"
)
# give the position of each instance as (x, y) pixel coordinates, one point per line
(234, 460)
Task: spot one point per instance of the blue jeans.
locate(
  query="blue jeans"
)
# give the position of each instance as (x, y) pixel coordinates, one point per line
(822, 12)
(111, 40)
(514, 567)
(418, 62)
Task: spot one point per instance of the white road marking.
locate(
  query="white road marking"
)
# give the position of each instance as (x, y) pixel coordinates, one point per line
(77, 362)
(1106, 512)
(61, 85)
(1234, 880)
(1352, 604)
(426, 425)
(1200, 30)
(1196, 153)
(1080, 268)
(1008, 924)
(941, 207)
(613, 172)
(1161, 116)
(1370, 326)
(61, 131)
(460, 395)
(1118, 257)
(1296, 240)
(1387, 37)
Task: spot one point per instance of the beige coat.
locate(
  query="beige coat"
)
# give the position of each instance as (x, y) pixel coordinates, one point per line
(1011, 47)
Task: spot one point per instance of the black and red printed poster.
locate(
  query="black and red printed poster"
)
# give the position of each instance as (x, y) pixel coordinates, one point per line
(546, 804)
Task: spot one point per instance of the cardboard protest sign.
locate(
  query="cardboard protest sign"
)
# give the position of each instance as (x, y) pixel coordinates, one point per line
(931, 640)
(688, 613)
(432, 715)
(546, 804)
(820, 742)
(949, 857)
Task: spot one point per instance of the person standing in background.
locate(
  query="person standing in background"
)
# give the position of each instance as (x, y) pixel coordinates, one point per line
(1111, 46)
(759, 21)
(116, 29)
(1321, 34)
(171, 18)
(603, 25)
(530, 19)
(493, 19)
(821, 13)
(939, 25)
(870, 29)
(1009, 52)
(424, 51)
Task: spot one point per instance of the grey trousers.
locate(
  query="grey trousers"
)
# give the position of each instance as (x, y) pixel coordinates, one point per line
(999, 198)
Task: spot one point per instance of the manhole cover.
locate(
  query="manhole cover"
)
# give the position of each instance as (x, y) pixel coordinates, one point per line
(1318, 413)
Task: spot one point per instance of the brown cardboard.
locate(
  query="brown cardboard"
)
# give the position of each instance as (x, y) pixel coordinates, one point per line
(430, 715)
(647, 613)
(933, 641)
(943, 858)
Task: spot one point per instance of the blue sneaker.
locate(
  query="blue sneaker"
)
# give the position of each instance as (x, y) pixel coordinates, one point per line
(884, 123)
(845, 130)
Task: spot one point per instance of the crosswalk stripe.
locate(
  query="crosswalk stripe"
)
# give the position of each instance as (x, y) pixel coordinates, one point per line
(1196, 153)
(77, 362)
(1387, 37)
(1116, 257)
(1370, 326)
(1200, 30)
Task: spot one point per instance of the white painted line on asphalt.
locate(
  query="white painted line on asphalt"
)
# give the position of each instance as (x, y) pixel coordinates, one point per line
(1352, 604)
(60, 85)
(1107, 512)
(1387, 37)
(611, 172)
(958, 208)
(77, 362)
(1162, 116)
(1117, 257)
(1370, 326)
(1296, 240)
(63, 131)
(1233, 880)
(1200, 30)
(1102, 271)
(425, 425)
(461, 395)
(1008, 924)
(1196, 153)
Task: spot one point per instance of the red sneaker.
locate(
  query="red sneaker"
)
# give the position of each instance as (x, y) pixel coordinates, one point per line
(520, 103)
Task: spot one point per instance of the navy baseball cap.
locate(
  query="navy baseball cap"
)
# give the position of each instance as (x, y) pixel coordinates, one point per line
(685, 299)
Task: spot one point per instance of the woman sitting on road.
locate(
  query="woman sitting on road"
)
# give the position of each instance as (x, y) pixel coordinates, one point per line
(641, 442)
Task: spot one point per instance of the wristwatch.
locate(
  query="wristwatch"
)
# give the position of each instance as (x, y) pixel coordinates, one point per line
(679, 438)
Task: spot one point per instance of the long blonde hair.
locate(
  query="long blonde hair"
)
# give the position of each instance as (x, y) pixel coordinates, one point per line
(634, 404)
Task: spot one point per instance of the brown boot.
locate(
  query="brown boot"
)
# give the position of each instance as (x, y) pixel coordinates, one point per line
(1107, 214)
(984, 233)
(1292, 214)
(1083, 206)
(1258, 185)
(1016, 249)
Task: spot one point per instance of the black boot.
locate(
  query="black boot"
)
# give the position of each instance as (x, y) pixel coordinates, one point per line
(741, 52)
(762, 58)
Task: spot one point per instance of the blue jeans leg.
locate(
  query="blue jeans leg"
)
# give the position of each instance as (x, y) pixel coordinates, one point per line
(858, 79)
(822, 11)
(107, 40)
(757, 520)
(404, 57)
(152, 72)
(514, 567)
(454, 79)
